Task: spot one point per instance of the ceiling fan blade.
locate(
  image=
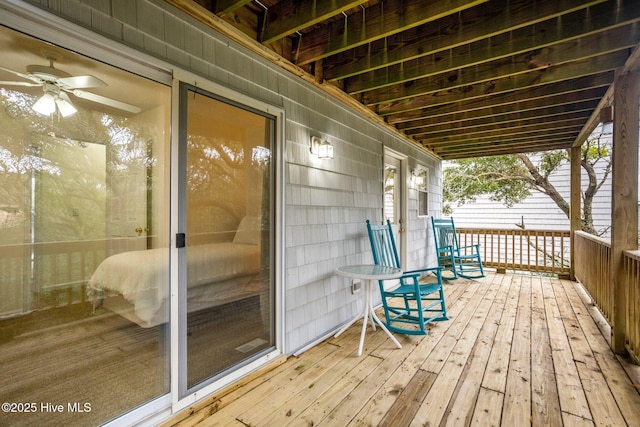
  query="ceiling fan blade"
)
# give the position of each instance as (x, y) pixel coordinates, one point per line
(19, 84)
(80, 82)
(106, 101)
(24, 76)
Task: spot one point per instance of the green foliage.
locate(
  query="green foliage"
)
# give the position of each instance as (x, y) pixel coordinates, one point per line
(509, 179)
(501, 177)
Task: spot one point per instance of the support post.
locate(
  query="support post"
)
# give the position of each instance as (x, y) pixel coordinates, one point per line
(624, 196)
(575, 204)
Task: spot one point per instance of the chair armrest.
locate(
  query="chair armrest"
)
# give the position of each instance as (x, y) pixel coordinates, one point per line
(477, 246)
(410, 274)
(423, 270)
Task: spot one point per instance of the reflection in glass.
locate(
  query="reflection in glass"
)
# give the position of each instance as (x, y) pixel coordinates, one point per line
(228, 256)
(390, 177)
(73, 190)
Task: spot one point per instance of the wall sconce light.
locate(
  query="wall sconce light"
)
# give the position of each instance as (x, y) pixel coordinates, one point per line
(321, 149)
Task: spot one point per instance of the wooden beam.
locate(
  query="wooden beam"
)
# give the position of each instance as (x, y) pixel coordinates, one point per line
(544, 107)
(551, 35)
(574, 204)
(568, 90)
(516, 119)
(481, 23)
(532, 138)
(504, 128)
(208, 18)
(570, 63)
(527, 81)
(633, 63)
(288, 16)
(624, 200)
(499, 149)
(376, 22)
(228, 6)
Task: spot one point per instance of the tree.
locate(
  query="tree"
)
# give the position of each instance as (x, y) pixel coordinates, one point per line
(509, 179)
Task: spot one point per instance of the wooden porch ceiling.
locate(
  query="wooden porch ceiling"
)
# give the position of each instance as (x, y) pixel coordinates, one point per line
(462, 78)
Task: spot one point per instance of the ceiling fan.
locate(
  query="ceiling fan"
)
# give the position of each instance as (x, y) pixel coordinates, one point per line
(57, 83)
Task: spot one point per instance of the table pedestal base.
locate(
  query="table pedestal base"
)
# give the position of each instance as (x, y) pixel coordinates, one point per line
(368, 313)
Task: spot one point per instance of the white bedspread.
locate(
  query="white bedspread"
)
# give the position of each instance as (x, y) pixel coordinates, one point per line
(142, 277)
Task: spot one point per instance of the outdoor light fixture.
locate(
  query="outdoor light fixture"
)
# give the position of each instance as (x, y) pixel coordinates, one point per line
(53, 99)
(321, 149)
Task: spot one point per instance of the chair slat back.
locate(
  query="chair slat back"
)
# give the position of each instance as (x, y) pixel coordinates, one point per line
(445, 234)
(383, 245)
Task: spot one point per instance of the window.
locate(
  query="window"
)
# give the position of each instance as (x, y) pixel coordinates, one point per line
(421, 182)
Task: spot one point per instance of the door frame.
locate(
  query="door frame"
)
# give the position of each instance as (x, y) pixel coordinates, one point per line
(403, 210)
(178, 306)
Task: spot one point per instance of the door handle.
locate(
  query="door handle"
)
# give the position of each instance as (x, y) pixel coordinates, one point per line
(181, 240)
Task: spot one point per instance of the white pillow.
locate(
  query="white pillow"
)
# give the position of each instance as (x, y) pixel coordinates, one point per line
(248, 232)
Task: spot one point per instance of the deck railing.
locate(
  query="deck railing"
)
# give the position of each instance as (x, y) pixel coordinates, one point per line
(631, 262)
(43, 275)
(593, 270)
(543, 251)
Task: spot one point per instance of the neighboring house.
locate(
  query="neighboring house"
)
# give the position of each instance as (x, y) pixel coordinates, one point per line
(190, 140)
(538, 212)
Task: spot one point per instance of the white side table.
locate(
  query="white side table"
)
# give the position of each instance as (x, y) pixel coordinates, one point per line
(368, 273)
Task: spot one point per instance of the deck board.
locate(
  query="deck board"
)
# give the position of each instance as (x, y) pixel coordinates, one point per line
(517, 350)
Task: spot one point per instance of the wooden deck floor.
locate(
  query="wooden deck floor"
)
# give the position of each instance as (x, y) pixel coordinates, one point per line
(518, 350)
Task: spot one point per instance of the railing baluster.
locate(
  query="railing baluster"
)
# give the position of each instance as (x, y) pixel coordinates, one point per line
(525, 250)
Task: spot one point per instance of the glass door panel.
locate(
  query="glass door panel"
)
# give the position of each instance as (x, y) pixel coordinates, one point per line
(82, 297)
(227, 218)
(393, 209)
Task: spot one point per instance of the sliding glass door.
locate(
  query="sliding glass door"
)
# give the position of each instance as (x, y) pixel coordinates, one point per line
(84, 241)
(90, 325)
(226, 238)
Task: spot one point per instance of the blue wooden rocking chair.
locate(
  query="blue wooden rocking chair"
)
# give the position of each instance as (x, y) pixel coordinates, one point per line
(410, 306)
(463, 261)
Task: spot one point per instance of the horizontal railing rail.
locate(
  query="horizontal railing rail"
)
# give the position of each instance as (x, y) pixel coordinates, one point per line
(542, 251)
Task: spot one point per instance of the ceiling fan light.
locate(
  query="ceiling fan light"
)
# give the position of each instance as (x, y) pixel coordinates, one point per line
(65, 106)
(45, 105)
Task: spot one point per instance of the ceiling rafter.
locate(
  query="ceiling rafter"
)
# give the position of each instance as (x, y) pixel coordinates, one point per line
(526, 81)
(503, 127)
(488, 20)
(459, 78)
(573, 28)
(569, 60)
(228, 6)
(568, 89)
(375, 23)
(289, 16)
(540, 109)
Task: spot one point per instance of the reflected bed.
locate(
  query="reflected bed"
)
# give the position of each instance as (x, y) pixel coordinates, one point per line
(217, 273)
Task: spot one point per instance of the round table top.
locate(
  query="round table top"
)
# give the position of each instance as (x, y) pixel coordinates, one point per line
(369, 271)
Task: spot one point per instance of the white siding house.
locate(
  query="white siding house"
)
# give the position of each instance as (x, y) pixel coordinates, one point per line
(538, 211)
